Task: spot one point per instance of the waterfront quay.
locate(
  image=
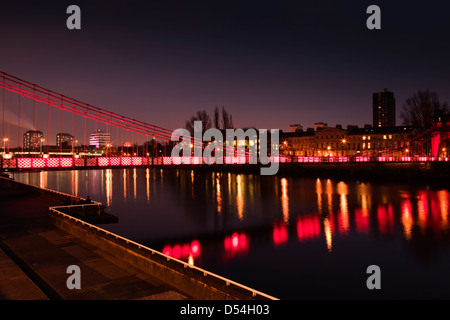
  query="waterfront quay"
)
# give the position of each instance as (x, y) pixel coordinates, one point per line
(43, 232)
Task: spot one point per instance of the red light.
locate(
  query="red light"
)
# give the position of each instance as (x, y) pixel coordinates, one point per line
(167, 250)
(167, 160)
(280, 234)
(38, 163)
(385, 219)
(114, 161)
(125, 161)
(236, 242)
(52, 162)
(136, 161)
(308, 227)
(176, 251)
(24, 163)
(103, 161)
(185, 250)
(362, 220)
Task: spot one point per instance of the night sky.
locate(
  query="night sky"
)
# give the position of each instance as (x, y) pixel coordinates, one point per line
(270, 63)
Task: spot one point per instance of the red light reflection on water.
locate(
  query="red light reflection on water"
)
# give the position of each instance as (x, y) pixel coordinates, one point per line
(280, 234)
(182, 251)
(385, 216)
(236, 242)
(362, 222)
(308, 227)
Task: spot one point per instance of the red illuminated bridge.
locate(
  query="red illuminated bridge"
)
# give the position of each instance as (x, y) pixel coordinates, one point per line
(42, 129)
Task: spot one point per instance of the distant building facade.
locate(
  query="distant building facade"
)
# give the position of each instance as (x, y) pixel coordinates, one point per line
(383, 109)
(353, 141)
(64, 140)
(99, 139)
(32, 139)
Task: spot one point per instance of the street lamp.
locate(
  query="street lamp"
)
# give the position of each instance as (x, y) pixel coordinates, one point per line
(108, 145)
(40, 145)
(5, 140)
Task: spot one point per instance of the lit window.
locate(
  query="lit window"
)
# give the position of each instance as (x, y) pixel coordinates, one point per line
(384, 137)
(364, 137)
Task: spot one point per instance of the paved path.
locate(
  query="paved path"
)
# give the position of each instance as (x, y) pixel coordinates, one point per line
(34, 256)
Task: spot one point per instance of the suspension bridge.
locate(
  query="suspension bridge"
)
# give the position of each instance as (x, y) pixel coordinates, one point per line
(43, 129)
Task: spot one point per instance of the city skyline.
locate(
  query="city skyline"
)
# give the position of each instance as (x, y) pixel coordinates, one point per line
(162, 62)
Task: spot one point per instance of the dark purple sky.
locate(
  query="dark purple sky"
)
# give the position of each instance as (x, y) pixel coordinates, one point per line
(270, 63)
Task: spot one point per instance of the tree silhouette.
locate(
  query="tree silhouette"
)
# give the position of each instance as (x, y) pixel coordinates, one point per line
(419, 110)
(202, 116)
(207, 123)
(227, 120)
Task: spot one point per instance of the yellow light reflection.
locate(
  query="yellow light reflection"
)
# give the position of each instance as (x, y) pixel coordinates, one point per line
(76, 182)
(364, 193)
(147, 179)
(124, 184)
(319, 195)
(285, 200)
(191, 260)
(192, 184)
(240, 197)
(328, 233)
(342, 190)
(43, 180)
(329, 192)
(218, 195)
(134, 184)
(443, 197)
(108, 187)
(422, 209)
(407, 218)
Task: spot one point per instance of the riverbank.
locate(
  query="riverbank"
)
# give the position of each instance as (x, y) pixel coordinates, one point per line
(39, 240)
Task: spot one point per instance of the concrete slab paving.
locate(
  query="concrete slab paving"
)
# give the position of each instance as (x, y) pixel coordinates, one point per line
(36, 254)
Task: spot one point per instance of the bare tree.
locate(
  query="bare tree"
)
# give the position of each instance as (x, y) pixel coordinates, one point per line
(202, 116)
(216, 117)
(418, 111)
(226, 123)
(227, 120)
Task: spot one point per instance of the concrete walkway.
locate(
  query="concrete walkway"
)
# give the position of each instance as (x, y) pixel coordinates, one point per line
(34, 256)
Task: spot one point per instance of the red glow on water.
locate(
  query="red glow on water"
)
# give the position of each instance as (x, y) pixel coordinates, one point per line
(182, 250)
(308, 227)
(236, 242)
(362, 220)
(125, 161)
(176, 251)
(195, 248)
(385, 217)
(280, 234)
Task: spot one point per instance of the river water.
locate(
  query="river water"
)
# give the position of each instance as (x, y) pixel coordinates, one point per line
(292, 238)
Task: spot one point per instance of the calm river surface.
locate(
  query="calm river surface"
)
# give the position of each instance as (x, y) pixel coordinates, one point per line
(293, 238)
